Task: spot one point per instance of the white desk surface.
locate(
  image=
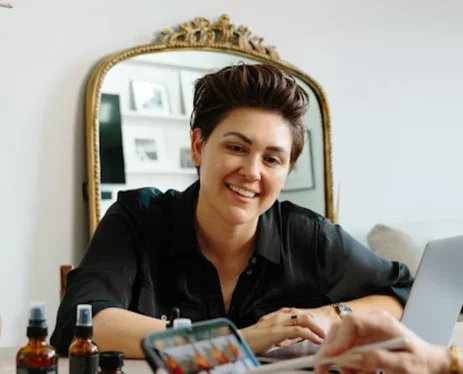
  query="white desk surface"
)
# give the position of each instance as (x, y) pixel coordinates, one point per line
(8, 357)
(8, 364)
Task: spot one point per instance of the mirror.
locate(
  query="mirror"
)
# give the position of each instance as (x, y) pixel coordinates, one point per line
(139, 103)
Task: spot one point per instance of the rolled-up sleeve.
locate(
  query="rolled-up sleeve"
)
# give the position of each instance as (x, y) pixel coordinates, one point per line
(352, 270)
(103, 279)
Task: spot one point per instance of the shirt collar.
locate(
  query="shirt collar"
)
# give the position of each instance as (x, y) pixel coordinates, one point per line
(268, 243)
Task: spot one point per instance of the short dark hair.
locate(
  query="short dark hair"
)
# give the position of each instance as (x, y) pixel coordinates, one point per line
(261, 86)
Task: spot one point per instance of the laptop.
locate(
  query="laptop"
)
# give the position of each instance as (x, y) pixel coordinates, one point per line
(436, 297)
(433, 306)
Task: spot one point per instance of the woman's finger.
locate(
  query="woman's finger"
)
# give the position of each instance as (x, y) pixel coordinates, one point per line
(303, 333)
(283, 311)
(356, 330)
(380, 359)
(343, 338)
(287, 342)
(307, 321)
(331, 334)
(260, 340)
(278, 334)
(323, 369)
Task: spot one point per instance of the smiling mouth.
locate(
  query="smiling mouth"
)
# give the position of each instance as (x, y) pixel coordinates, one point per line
(242, 192)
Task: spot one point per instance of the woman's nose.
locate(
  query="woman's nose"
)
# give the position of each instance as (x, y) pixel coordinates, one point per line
(251, 169)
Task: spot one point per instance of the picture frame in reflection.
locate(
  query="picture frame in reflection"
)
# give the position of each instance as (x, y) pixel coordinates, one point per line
(150, 98)
(144, 150)
(188, 79)
(302, 177)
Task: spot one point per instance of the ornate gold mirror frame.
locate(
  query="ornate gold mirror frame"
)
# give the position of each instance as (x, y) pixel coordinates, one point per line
(199, 34)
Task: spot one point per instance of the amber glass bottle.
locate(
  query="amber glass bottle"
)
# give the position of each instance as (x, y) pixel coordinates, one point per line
(83, 352)
(37, 356)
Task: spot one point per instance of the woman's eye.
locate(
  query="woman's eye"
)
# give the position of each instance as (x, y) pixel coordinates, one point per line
(272, 160)
(235, 148)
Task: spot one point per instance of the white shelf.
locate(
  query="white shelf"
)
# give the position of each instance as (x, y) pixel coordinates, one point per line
(164, 117)
(178, 171)
(190, 60)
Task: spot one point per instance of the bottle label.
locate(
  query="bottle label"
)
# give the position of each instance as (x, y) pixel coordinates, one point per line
(49, 370)
(83, 364)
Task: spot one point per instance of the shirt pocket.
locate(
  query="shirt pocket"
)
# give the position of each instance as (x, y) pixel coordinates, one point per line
(305, 303)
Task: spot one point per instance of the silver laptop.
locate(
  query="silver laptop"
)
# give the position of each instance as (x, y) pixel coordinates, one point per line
(436, 296)
(434, 303)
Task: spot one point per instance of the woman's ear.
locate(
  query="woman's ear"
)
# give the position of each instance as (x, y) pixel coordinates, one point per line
(196, 147)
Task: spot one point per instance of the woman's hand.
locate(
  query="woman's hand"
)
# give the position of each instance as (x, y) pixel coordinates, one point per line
(418, 356)
(279, 328)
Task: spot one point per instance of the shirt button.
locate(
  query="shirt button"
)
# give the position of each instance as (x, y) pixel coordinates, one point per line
(253, 260)
(249, 272)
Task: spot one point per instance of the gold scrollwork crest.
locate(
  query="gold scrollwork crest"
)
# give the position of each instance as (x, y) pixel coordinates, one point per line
(202, 32)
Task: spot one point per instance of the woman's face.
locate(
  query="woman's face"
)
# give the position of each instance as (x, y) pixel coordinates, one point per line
(243, 164)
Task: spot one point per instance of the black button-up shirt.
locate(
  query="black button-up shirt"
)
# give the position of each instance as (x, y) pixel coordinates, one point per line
(144, 257)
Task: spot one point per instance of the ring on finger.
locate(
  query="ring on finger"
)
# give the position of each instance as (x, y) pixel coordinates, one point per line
(294, 319)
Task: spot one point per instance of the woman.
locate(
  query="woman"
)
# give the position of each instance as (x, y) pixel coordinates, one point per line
(225, 246)
(418, 356)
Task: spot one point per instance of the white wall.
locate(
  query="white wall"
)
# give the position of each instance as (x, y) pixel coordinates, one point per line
(391, 71)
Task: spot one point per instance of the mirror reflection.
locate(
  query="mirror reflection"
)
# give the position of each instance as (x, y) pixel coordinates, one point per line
(144, 136)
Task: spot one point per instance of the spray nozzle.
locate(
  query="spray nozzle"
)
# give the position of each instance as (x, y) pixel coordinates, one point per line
(84, 315)
(37, 311)
(37, 326)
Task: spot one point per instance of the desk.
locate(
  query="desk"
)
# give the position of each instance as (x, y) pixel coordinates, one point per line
(8, 364)
(8, 357)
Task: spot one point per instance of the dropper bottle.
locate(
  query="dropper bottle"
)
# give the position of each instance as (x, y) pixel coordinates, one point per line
(83, 352)
(37, 356)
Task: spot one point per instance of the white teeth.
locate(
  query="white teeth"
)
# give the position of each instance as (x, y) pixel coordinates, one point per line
(241, 191)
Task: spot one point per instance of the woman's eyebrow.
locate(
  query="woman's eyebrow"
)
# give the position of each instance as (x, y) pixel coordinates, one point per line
(244, 138)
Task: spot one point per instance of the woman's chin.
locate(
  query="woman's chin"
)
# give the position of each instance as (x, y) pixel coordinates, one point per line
(238, 216)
